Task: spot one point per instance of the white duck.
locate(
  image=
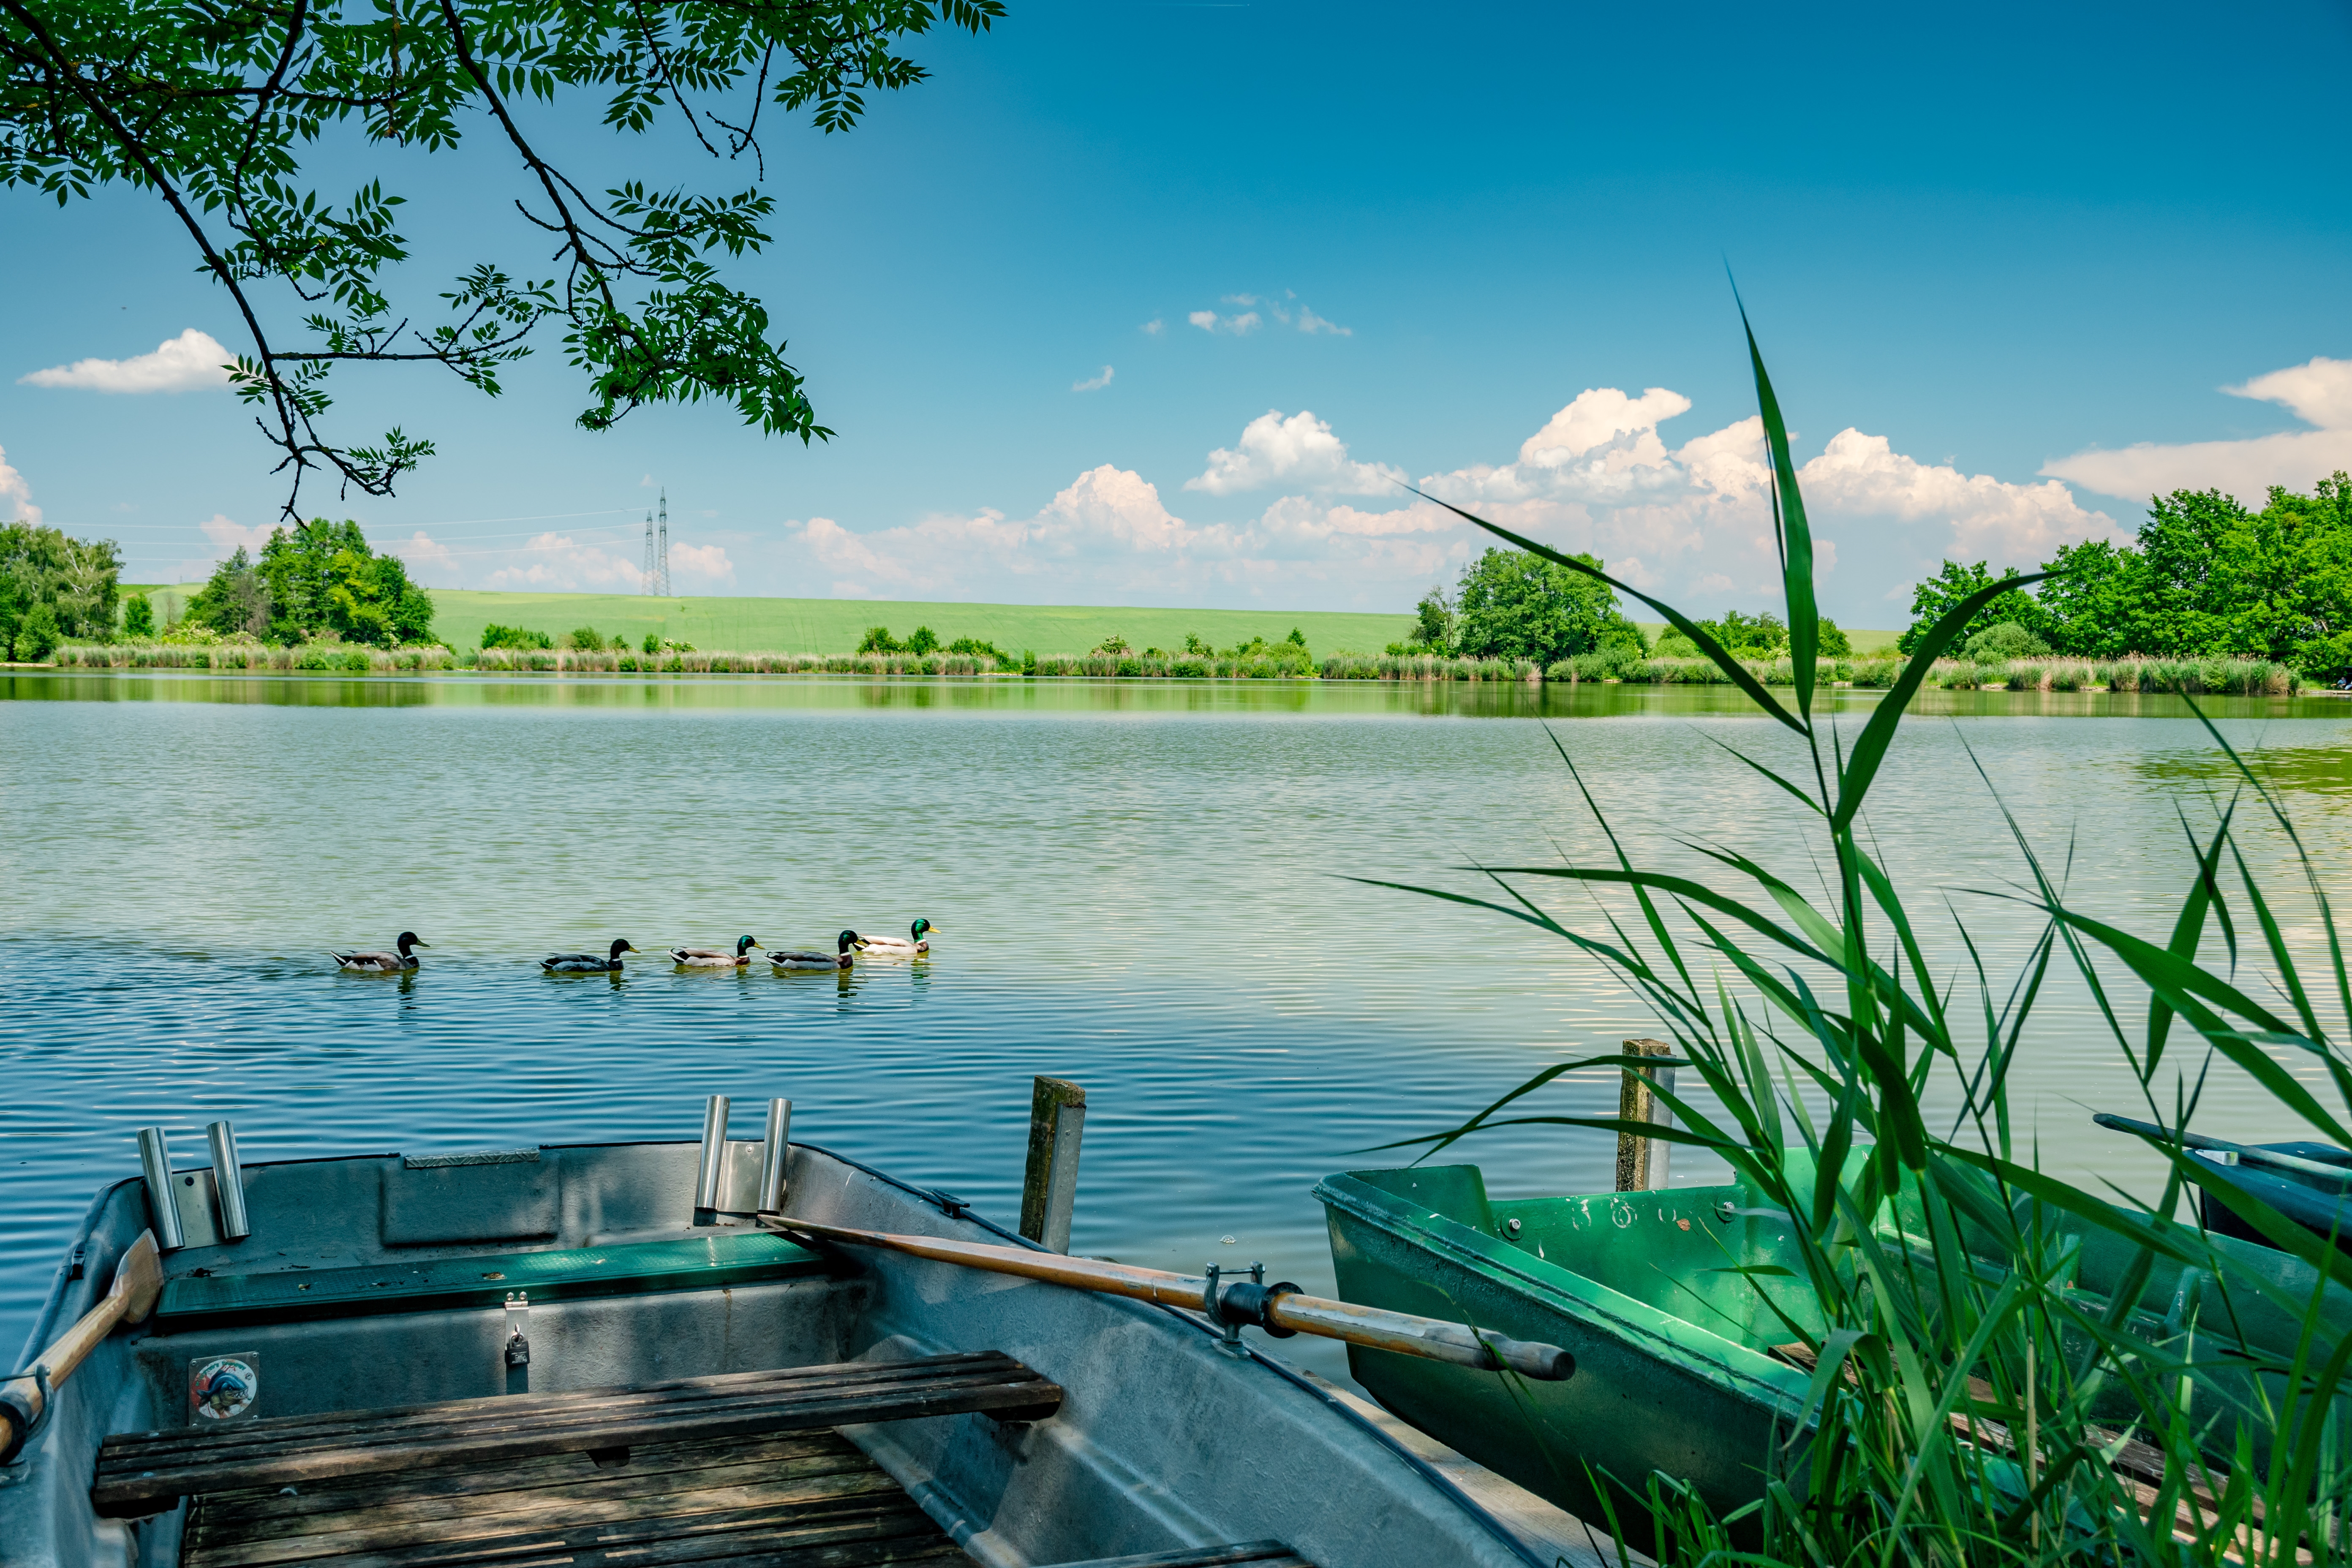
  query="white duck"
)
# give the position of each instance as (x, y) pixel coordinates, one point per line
(917, 941)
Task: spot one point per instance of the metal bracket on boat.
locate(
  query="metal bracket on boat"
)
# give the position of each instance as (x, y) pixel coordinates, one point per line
(1235, 1306)
(34, 1422)
(518, 1320)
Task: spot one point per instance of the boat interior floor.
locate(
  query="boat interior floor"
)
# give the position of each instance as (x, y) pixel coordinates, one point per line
(787, 1499)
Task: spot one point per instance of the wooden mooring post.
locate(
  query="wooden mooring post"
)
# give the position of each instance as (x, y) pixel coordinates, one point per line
(1057, 1117)
(1642, 1162)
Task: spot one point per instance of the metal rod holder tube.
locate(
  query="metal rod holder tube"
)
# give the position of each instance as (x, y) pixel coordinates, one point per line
(228, 1181)
(775, 1154)
(711, 1178)
(162, 1204)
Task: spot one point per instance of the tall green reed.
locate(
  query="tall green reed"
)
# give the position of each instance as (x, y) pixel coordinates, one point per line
(2008, 1367)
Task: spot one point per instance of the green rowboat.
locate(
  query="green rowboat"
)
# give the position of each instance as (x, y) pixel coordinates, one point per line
(1675, 1370)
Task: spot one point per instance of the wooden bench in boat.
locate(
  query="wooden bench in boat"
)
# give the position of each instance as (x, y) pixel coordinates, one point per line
(144, 1472)
(703, 1262)
(783, 1500)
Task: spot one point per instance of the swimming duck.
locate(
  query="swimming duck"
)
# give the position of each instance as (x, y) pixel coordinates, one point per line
(916, 942)
(714, 957)
(808, 960)
(587, 962)
(382, 962)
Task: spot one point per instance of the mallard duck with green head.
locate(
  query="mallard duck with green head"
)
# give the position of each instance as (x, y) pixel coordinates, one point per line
(715, 957)
(587, 962)
(381, 963)
(916, 940)
(808, 959)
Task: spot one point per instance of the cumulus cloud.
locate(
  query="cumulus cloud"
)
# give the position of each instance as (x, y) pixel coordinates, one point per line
(1696, 520)
(228, 536)
(705, 561)
(2319, 394)
(1093, 383)
(1154, 326)
(189, 362)
(1690, 521)
(17, 492)
(1298, 450)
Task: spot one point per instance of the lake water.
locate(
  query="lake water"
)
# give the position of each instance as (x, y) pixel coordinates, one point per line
(1141, 887)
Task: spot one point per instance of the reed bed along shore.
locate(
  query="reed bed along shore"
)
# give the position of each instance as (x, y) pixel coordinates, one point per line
(2236, 677)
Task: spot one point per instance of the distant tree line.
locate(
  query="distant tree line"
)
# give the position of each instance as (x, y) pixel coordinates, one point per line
(54, 589)
(316, 579)
(2207, 578)
(1514, 603)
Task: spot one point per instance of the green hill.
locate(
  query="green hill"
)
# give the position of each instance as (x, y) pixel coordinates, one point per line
(834, 626)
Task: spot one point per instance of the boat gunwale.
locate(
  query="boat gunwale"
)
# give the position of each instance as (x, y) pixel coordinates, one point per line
(97, 1271)
(1766, 1379)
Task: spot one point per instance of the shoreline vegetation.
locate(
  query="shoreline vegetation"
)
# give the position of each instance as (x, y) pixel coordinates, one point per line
(2237, 677)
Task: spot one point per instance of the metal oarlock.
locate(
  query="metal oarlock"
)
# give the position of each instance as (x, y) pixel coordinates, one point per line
(775, 1155)
(228, 1181)
(162, 1204)
(710, 1183)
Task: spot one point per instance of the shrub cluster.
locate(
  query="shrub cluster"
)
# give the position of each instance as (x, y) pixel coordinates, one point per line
(244, 653)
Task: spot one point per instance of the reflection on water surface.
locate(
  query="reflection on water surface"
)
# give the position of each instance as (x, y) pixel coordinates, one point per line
(1139, 884)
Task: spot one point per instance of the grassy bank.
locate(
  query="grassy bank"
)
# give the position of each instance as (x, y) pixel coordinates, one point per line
(2251, 677)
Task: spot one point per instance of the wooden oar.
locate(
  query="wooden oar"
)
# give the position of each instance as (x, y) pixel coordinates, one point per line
(138, 1281)
(2246, 1155)
(1269, 1307)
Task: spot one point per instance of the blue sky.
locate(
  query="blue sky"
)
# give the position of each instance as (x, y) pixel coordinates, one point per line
(2005, 262)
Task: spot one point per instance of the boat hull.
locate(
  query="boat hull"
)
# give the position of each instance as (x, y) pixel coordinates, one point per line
(1164, 1440)
(1675, 1366)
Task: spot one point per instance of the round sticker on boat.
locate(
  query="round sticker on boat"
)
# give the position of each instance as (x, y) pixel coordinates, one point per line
(223, 1388)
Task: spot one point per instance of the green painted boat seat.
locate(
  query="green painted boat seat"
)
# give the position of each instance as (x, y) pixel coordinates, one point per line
(484, 1280)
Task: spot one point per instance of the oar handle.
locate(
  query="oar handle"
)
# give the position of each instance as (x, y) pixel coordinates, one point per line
(2247, 1154)
(1273, 1308)
(24, 1399)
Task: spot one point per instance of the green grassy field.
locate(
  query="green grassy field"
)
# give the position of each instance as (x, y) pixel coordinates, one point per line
(834, 626)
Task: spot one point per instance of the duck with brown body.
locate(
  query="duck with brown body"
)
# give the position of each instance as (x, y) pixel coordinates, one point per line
(391, 962)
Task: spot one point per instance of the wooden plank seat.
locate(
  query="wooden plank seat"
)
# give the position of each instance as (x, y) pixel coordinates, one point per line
(1255, 1554)
(482, 1280)
(144, 1472)
(780, 1501)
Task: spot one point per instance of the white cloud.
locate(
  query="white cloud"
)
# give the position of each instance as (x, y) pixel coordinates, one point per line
(17, 492)
(1691, 522)
(706, 560)
(421, 553)
(229, 537)
(1155, 326)
(1232, 326)
(557, 561)
(1286, 309)
(2319, 394)
(1298, 450)
(1093, 384)
(189, 362)
(1696, 522)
